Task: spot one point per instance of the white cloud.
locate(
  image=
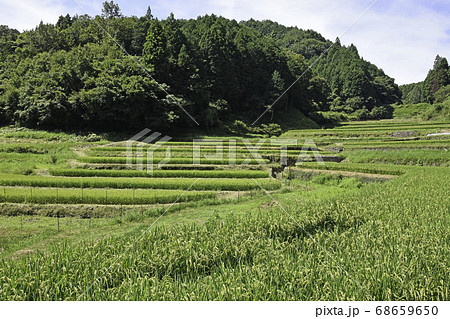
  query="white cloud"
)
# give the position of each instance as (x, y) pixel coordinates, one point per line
(400, 36)
(26, 14)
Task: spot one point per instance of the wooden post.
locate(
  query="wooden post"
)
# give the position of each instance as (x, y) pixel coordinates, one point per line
(57, 217)
(21, 221)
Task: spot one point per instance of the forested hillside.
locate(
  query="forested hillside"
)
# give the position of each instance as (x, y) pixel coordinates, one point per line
(429, 99)
(434, 89)
(72, 75)
(348, 83)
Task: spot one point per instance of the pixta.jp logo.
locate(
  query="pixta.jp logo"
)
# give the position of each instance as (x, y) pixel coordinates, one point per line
(141, 148)
(149, 150)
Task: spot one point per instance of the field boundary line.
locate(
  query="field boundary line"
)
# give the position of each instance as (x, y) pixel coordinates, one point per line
(314, 62)
(136, 62)
(133, 242)
(316, 243)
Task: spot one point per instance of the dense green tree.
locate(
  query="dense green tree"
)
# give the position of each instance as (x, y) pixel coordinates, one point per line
(218, 52)
(8, 39)
(437, 78)
(64, 22)
(277, 90)
(111, 10)
(155, 50)
(433, 89)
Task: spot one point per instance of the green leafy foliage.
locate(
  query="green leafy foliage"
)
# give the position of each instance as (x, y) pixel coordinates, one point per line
(72, 75)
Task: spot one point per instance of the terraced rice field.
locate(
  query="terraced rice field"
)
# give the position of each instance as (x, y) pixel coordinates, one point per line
(221, 230)
(193, 181)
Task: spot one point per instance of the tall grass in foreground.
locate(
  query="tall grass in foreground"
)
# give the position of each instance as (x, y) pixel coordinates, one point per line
(391, 239)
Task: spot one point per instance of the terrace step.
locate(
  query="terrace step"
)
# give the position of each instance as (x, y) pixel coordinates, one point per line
(349, 174)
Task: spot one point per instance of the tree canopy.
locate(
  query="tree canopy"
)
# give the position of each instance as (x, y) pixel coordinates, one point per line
(75, 74)
(434, 89)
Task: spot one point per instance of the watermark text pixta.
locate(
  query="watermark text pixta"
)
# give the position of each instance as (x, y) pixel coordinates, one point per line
(149, 150)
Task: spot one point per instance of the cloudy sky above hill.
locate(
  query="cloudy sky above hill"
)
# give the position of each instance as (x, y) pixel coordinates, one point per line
(401, 36)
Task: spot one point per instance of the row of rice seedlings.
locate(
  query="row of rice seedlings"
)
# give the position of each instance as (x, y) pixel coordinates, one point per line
(385, 169)
(99, 196)
(259, 144)
(134, 160)
(432, 144)
(412, 142)
(181, 167)
(393, 128)
(225, 143)
(388, 125)
(224, 184)
(329, 139)
(160, 153)
(265, 142)
(384, 133)
(159, 173)
(431, 157)
(182, 147)
(398, 147)
(190, 151)
(205, 157)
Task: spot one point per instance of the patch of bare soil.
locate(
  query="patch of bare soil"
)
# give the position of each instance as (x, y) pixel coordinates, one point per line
(42, 172)
(23, 252)
(80, 151)
(404, 134)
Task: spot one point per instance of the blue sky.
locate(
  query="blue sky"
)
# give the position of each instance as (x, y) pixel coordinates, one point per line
(400, 36)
